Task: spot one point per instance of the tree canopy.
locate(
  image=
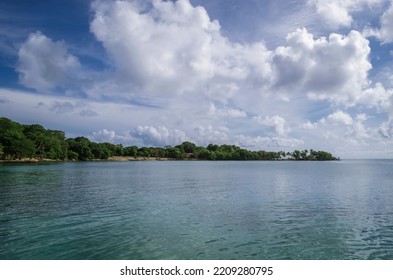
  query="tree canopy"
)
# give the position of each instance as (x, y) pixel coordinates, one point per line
(34, 141)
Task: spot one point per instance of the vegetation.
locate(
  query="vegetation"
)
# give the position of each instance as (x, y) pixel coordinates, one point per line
(19, 141)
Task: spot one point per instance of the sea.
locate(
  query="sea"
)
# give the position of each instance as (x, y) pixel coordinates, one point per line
(197, 210)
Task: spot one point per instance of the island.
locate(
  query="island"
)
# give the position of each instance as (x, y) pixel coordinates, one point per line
(34, 143)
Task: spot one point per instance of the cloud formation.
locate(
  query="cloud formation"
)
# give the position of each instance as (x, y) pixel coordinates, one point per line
(44, 65)
(338, 13)
(158, 136)
(334, 68)
(174, 48)
(385, 32)
(174, 75)
(166, 49)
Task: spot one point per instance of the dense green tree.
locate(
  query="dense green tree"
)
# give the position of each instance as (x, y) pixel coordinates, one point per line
(18, 141)
(212, 147)
(322, 155)
(56, 146)
(202, 153)
(296, 155)
(48, 143)
(311, 155)
(21, 148)
(100, 150)
(174, 153)
(14, 141)
(37, 134)
(144, 152)
(71, 155)
(131, 151)
(157, 152)
(119, 150)
(82, 146)
(187, 147)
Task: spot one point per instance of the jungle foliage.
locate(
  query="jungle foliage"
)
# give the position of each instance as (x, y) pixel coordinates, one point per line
(19, 141)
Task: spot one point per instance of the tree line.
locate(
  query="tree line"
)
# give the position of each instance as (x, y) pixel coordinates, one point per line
(19, 141)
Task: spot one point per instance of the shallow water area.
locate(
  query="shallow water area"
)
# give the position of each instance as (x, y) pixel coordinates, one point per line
(197, 210)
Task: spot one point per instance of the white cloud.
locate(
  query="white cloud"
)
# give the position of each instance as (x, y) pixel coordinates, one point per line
(386, 129)
(176, 48)
(44, 64)
(359, 130)
(378, 97)
(74, 115)
(340, 117)
(385, 32)
(170, 44)
(335, 13)
(204, 135)
(174, 75)
(105, 135)
(158, 136)
(334, 68)
(340, 127)
(261, 143)
(173, 48)
(338, 13)
(226, 112)
(276, 122)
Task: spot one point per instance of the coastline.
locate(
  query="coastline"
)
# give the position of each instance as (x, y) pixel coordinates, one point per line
(114, 158)
(128, 158)
(125, 158)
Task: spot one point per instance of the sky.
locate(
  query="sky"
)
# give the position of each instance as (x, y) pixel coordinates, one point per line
(260, 74)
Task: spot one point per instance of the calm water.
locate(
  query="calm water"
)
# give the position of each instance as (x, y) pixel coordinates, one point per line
(197, 210)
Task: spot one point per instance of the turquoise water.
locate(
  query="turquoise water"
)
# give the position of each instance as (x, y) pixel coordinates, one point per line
(197, 210)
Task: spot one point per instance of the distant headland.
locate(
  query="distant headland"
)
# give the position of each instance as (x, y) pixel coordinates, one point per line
(34, 143)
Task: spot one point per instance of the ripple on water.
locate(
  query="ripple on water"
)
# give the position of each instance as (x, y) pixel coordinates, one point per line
(197, 210)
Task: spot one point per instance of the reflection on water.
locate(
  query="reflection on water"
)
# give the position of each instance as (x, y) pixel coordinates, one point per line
(197, 210)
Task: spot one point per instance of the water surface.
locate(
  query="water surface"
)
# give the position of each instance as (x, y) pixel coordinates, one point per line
(197, 210)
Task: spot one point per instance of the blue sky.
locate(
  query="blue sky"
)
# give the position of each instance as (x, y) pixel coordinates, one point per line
(267, 74)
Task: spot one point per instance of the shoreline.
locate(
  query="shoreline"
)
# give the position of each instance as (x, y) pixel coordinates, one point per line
(128, 158)
(125, 158)
(114, 158)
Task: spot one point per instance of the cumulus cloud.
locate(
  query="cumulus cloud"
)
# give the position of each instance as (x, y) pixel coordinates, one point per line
(173, 75)
(338, 13)
(259, 142)
(334, 12)
(359, 130)
(276, 122)
(385, 32)
(170, 48)
(377, 97)
(110, 136)
(386, 129)
(339, 117)
(204, 135)
(174, 47)
(158, 136)
(334, 68)
(226, 112)
(169, 44)
(44, 64)
(341, 124)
